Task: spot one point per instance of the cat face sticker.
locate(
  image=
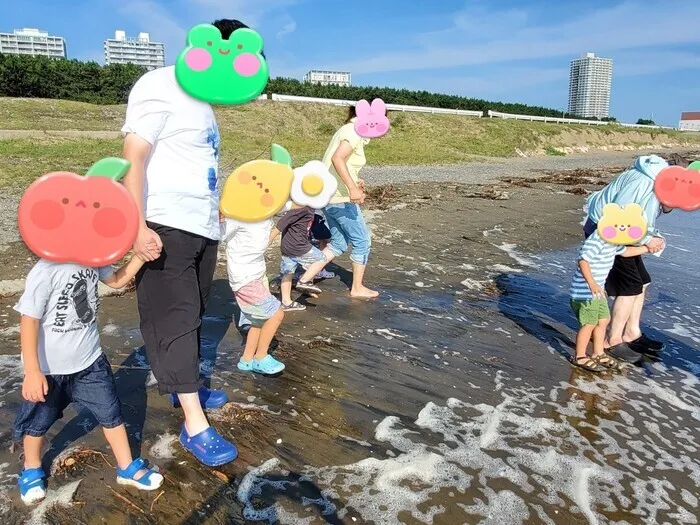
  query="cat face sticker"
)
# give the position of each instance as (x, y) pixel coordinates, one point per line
(371, 121)
(91, 220)
(258, 189)
(313, 185)
(678, 187)
(622, 226)
(221, 71)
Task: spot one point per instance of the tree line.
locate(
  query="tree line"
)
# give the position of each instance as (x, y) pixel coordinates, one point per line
(42, 77)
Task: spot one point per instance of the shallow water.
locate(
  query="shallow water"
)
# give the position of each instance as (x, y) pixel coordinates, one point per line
(448, 401)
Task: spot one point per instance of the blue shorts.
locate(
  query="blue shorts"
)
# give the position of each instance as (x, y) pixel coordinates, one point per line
(92, 389)
(289, 264)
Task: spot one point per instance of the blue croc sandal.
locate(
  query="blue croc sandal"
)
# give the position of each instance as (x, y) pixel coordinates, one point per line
(207, 398)
(268, 365)
(209, 447)
(246, 366)
(151, 480)
(32, 486)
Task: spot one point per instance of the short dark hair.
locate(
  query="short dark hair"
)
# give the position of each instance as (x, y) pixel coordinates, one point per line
(227, 26)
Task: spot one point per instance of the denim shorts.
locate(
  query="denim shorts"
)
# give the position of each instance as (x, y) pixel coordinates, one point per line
(256, 302)
(289, 264)
(92, 389)
(348, 226)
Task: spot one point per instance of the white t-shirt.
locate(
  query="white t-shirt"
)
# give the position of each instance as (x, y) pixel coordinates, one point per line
(246, 243)
(63, 296)
(182, 172)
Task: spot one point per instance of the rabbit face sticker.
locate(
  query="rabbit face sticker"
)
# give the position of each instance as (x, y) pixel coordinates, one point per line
(221, 71)
(371, 122)
(92, 220)
(258, 189)
(622, 226)
(678, 187)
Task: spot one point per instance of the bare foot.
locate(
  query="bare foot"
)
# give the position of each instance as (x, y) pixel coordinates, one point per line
(364, 293)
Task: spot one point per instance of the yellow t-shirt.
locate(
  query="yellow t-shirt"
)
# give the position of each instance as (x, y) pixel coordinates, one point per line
(354, 163)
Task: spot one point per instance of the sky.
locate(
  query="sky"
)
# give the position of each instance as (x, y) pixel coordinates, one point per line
(501, 50)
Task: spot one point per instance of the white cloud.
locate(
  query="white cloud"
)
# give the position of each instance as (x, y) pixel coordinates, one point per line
(482, 36)
(287, 29)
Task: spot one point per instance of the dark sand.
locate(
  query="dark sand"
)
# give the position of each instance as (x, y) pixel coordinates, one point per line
(444, 256)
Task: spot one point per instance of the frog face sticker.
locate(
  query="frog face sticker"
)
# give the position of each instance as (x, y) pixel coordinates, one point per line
(221, 71)
(622, 225)
(258, 189)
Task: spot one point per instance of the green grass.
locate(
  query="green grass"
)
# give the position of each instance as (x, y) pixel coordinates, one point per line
(304, 129)
(554, 152)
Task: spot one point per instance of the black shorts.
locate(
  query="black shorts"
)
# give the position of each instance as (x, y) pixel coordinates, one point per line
(319, 230)
(627, 277)
(172, 292)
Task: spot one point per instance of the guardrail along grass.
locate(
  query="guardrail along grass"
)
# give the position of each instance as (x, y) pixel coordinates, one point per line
(303, 128)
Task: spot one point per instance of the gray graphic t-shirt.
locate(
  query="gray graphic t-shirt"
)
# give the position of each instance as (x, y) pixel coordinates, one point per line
(63, 296)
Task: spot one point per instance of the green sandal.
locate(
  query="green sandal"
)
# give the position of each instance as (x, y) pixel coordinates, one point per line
(588, 363)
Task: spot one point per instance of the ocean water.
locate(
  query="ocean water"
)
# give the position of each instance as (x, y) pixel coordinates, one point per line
(486, 422)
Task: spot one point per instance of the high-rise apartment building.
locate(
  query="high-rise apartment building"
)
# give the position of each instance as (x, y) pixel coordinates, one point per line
(140, 51)
(589, 86)
(29, 41)
(325, 78)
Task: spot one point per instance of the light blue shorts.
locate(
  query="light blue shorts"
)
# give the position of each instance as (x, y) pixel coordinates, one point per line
(289, 264)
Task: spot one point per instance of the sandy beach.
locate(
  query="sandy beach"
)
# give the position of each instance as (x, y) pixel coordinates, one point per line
(448, 400)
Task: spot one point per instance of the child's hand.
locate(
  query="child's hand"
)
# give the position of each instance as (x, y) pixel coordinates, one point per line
(597, 290)
(35, 387)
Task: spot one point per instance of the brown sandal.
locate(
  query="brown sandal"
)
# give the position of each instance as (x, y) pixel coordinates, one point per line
(588, 363)
(607, 361)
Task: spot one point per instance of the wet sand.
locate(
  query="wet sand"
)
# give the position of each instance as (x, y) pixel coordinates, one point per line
(448, 400)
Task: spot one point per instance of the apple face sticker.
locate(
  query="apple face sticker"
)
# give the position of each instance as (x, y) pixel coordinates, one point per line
(92, 220)
(371, 122)
(678, 187)
(218, 71)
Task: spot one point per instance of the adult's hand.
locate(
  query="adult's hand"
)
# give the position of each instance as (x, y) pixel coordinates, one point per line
(361, 184)
(148, 244)
(655, 245)
(357, 196)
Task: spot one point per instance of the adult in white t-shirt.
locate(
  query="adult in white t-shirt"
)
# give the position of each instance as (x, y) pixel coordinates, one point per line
(172, 141)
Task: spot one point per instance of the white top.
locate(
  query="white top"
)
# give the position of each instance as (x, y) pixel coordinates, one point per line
(246, 243)
(63, 296)
(182, 172)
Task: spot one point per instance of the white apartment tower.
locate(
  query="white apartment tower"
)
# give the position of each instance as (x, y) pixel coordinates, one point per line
(29, 41)
(140, 51)
(325, 78)
(589, 86)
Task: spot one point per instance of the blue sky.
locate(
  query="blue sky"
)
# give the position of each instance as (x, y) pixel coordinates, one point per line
(507, 50)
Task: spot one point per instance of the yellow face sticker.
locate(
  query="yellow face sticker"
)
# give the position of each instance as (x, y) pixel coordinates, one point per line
(622, 225)
(256, 190)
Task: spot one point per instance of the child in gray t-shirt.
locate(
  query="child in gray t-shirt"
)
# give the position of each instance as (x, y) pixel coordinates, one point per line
(64, 363)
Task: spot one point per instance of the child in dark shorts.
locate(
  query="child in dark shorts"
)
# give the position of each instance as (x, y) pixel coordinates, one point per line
(298, 250)
(64, 363)
(320, 233)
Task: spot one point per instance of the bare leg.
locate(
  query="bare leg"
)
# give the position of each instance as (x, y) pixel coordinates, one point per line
(269, 329)
(251, 343)
(582, 339)
(117, 439)
(322, 244)
(599, 337)
(311, 271)
(195, 420)
(633, 328)
(622, 310)
(286, 288)
(358, 288)
(32, 451)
